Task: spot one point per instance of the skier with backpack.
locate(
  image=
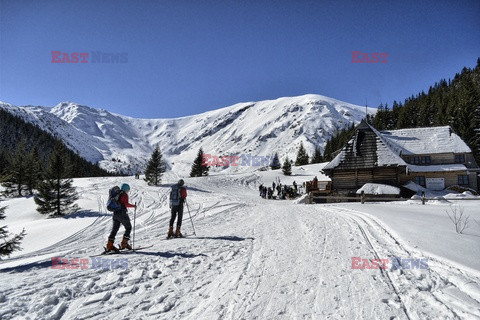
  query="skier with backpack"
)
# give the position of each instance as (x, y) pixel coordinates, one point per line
(118, 203)
(178, 194)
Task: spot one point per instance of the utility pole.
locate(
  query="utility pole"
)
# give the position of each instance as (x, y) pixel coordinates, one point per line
(366, 112)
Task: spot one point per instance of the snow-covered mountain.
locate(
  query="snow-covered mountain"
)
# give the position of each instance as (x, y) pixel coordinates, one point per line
(257, 128)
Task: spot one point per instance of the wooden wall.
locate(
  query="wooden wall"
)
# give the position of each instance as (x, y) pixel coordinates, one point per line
(451, 178)
(355, 179)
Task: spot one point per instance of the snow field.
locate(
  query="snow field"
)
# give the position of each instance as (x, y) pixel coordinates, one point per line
(251, 259)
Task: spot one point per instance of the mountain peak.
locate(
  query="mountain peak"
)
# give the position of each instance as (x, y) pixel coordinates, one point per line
(259, 128)
(65, 104)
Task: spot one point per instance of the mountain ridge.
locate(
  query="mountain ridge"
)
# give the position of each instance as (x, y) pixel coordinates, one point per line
(119, 142)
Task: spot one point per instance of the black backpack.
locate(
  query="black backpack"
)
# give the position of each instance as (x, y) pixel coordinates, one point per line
(113, 195)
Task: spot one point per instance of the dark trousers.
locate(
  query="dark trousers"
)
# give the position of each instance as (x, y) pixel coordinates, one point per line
(175, 210)
(120, 217)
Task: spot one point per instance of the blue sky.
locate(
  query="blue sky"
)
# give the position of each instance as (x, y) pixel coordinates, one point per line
(187, 57)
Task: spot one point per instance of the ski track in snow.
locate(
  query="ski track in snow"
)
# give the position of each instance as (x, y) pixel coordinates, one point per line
(441, 286)
(251, 259)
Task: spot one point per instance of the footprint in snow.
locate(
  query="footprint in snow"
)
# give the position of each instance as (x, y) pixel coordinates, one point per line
(125, 291)
(162, 306)
(102, 296)
(134, 277)
(152, 274)
(50, 300)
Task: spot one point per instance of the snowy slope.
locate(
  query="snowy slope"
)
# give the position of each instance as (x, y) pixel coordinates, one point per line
(259, 128)
(251, 258)
(76, 139)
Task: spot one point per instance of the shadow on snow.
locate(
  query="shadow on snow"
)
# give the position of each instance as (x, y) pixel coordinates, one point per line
(170, 254)
(26, 267)
(86, 214)
(227, 238)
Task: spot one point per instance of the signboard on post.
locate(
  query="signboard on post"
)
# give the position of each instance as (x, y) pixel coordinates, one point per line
(435, 183)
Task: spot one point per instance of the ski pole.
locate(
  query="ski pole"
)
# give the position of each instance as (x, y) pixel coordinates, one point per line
(190, 219)
(134, 216)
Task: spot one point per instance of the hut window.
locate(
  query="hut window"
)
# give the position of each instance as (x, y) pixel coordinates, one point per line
(425, 160)
(459, 158)
(420, 160)
(420, 180)
(463, 180)
(414, 160)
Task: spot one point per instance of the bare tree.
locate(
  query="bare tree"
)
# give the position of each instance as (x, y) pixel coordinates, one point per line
(458, 218)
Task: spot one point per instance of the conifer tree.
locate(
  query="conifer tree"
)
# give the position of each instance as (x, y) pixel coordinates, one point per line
(155, 168)
(275, 164)
(302, 156)
(287, 167)
(14, 129)
(198, 168)
(3, 162)
(33, 172)
(476, 140)
(7, 246)
(393, 115)
(317, 156)
(204, 170)
(337, 142)
(56, 195)
(14, 180)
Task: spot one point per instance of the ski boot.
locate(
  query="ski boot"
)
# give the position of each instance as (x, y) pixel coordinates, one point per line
(170, 233)
(111, 246)
(125, 244)
(178, 234)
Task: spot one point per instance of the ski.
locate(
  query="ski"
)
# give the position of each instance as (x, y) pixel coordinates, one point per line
(105, 252)
(120, 251)
(173, 237)
(135, 249)
(141, 248)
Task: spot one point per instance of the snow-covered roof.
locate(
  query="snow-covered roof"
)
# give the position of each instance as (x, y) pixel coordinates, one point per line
(426, 140)
(387, 155)
(414, 187)
(377, 188)
(337, 160)
(437, 168)
(391, 145)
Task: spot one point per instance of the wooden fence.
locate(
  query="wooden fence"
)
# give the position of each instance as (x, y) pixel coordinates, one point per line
(367, 198)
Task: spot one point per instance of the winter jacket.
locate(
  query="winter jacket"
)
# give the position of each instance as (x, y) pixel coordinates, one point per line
(183, 193)
(123, 199)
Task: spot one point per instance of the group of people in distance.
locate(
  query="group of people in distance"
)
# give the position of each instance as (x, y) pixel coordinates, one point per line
(283, 191)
